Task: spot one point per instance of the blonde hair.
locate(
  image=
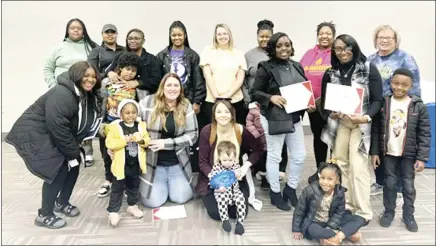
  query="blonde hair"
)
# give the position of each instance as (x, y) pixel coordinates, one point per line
(161, 107)
(215, 42)
(383, 28)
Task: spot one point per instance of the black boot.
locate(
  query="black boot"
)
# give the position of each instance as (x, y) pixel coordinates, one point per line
(239, 230)
(277, 200)
(226, 226)
(290, 194)
(264, 185)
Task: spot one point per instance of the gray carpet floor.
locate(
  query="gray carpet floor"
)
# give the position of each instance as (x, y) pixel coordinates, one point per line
(21, 197)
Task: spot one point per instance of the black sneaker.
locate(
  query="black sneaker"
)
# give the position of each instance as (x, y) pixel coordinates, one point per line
(264, 185)
(411, 224)
(386, 219)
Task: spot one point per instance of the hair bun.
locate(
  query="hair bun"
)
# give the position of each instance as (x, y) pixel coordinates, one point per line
(265, 22)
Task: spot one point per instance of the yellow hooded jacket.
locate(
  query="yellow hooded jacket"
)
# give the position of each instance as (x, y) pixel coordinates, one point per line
(115, 141)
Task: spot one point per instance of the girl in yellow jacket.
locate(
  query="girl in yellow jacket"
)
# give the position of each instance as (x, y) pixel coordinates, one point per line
(127, 138)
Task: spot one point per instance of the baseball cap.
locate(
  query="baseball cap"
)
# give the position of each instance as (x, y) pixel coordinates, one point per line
(109, 27)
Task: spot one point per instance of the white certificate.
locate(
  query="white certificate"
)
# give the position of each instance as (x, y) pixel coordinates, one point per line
(344, 99)
(298, 96)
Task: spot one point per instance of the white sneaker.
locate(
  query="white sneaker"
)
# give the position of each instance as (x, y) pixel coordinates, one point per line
(259, 175)
(376, 189)
(135, 211)
(282, 176)
(114, 219)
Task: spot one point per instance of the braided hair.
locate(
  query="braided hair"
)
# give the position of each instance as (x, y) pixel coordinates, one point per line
(86, 38)
(328, 24)
(179, 24)
(265, 25)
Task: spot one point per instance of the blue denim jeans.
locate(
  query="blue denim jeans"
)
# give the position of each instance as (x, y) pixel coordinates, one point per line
(169, 182)
(295, 143)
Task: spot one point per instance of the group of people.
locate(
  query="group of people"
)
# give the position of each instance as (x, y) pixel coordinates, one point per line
(224, 110)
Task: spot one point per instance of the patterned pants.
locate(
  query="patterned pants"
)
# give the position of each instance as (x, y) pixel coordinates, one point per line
(229, 198)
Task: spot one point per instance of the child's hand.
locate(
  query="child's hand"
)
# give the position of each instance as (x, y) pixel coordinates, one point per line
(298, 235)
(137, 137)
(419, 166)
(222, 189)
(375, 160)
(128, 138)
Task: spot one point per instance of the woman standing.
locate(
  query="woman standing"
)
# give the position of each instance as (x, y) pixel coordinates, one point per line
(254, 57)
(178, 57)
(149, 72)
(279, 126)
(389, 58)
(75, 47)
(224, 70)
(348, 136)
(173, 129)
(315, 61)
(47, 136)
(224, 127)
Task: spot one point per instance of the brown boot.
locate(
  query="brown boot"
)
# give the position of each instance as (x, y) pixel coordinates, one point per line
(356, 237)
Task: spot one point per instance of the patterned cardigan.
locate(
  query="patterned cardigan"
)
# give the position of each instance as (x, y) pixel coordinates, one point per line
(185, 137)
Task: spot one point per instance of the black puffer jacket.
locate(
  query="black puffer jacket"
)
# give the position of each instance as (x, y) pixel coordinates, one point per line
(195, 86)
(47, 133)
(308, 205)
(418, 133)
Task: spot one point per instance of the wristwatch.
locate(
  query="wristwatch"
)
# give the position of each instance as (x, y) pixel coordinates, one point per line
(367, 117)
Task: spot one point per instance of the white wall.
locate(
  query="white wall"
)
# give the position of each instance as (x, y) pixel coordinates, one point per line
(31, 29)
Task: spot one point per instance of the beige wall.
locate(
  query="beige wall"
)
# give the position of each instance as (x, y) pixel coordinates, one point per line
(31, 29)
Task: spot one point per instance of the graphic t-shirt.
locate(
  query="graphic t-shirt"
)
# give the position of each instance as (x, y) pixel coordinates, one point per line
(397, 126)
(177, 65)
(131, 167)
(115, 94)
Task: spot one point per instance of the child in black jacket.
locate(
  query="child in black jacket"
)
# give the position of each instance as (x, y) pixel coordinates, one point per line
(321, 208)
(401, 135)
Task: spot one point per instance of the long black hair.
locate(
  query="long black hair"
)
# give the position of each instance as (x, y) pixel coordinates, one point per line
(265, 25)
(86, 38)
(179, 24)
(333, 167)
(272, 42)
(349, 41)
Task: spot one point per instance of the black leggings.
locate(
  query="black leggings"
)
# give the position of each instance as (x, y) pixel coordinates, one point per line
(64, 183)
(211, 204)
(317, 123)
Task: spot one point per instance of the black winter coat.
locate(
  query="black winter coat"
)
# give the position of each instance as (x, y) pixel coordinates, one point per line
(195, 86)
(418, 133)
(46, 134)
(308, 204)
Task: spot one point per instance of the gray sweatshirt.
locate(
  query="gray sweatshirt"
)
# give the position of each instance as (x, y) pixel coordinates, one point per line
(253, 57)
(61, 59)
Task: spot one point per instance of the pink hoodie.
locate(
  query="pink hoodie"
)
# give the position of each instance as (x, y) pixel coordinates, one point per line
(315, 62)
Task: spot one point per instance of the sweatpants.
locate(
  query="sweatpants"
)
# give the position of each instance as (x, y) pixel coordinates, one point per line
(131, 185)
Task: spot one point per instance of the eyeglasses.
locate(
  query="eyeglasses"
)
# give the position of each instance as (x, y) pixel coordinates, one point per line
(339, 50)
(387, 38)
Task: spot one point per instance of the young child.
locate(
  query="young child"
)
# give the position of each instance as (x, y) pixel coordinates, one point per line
(401, 135)
(321, 208)
(112, 93)
(255, 128)
(226, 151)
(127, 138)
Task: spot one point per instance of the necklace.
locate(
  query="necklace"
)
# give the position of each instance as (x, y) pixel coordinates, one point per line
(346, 74)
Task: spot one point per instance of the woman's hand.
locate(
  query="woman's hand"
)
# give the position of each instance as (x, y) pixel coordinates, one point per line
(241, 172)
(298, 235)
(357, 119)
(113, 76)
(335, 115)
(311, 109)
(131, 84)
(375, 160)
(156, 145)
(278, 100)
(196, 107)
